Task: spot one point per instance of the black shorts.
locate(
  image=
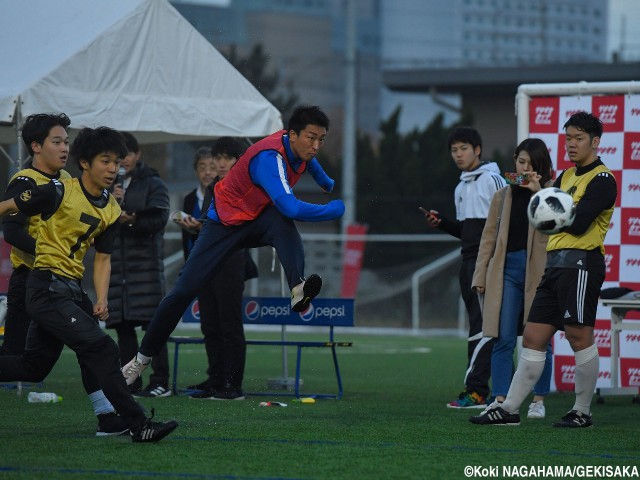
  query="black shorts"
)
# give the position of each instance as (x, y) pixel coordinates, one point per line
(566, 296)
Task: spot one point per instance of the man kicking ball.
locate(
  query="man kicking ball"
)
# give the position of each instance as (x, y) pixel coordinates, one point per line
(253, 206)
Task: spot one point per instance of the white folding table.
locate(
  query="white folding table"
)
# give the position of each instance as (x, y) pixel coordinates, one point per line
(619, 309)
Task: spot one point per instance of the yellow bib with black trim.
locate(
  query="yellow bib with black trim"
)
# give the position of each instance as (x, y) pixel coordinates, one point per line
(64, 237)
(20, 257)
(594, 236)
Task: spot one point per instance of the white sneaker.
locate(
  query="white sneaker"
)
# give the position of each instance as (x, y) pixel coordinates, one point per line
(303, 293)
(133, 369)
(536, 410)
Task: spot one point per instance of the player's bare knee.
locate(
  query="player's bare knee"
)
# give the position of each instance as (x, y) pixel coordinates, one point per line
(579, 336)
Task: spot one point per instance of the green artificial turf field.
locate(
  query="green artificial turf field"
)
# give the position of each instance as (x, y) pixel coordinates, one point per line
(391, 424)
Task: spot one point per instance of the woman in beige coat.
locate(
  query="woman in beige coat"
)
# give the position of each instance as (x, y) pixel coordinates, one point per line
(510, 264)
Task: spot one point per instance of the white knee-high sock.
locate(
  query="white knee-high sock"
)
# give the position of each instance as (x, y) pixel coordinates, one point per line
(100, 403)
(529, 370)
(587, 368)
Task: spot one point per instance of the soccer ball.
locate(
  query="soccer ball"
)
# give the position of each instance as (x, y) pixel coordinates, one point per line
(550, 210)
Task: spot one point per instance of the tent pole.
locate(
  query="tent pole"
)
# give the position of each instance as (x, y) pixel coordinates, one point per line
(6, 154)
(19, 142)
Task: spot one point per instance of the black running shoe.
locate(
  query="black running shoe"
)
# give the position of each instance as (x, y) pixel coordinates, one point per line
(204, 394)
(303, 293)
(228, 395)
(152, 432)
(206, 385)
(496, 416)
(575, 419)
(110, 424)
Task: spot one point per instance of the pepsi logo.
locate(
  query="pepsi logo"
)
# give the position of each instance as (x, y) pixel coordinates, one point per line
(252, 310)
(308, 314)
(195, 310)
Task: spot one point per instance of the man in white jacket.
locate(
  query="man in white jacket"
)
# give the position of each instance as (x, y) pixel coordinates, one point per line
(478, 182)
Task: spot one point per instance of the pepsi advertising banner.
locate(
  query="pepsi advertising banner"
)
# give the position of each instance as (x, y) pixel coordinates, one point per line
(277, 311)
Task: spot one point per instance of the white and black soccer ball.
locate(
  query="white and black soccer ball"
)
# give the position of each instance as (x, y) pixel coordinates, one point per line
(550, 210)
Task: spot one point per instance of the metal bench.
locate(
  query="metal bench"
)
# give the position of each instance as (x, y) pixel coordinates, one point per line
(328, 313)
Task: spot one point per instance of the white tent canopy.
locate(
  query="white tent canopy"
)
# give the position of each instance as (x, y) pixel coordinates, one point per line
(134, 65)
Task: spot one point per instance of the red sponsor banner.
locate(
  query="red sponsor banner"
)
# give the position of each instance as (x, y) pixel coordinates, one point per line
(620, 150)
(630, 372)
(564, 372)
(631, 158)
(610, 110)
(630, 226)
(604, 376)
(618, 176)
(632, 113)
(607, 151)
(352, 261)
(562, 160)
(630, 187)
(543, 114)
(5, 265)
(612, 263)
(631, 336)
(613, 233)
(602, 337)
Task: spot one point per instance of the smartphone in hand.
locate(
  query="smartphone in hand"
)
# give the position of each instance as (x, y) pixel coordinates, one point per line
(431, 215)
(517, 178)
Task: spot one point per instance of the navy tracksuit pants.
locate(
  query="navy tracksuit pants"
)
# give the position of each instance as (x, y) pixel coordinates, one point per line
(213, 245)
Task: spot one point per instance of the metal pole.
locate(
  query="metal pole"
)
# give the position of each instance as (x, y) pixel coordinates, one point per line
(18, 164)
(349, 128)
(283, 333)
(522, 115)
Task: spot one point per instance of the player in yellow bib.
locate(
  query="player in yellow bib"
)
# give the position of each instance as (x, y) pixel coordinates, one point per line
(74, 214)
(567, 297)
(46, 139)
